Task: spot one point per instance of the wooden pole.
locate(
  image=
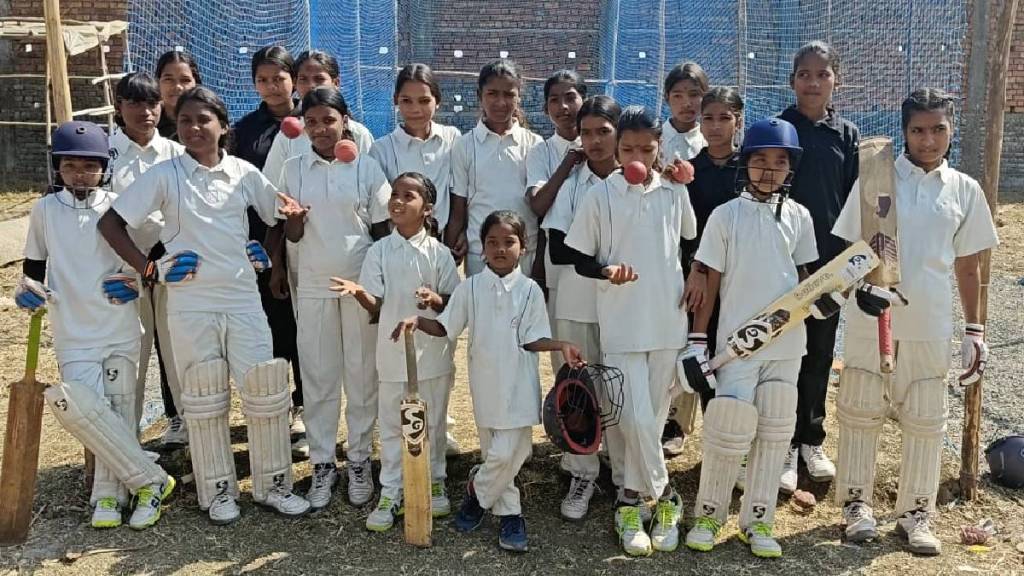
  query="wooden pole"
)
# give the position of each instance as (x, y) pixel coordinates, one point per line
(996, 64)
(58, 61)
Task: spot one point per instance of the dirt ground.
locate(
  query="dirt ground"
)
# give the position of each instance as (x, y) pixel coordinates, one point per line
(336, 542)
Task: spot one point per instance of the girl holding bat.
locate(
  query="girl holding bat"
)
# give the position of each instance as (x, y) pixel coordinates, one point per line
(334, 210)
(408, 272)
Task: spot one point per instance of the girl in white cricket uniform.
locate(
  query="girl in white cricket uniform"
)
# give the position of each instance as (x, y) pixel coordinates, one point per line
(408, 272)
(575, 310)
(135, 148)
(489, 166)
(549, 164)
(334, 211)
(313, 68)
(419, 144)
(216, 321)
(96, 338)
(507, 322)
(685, 85)
(753, 250)
(630, 236)
(943, 222)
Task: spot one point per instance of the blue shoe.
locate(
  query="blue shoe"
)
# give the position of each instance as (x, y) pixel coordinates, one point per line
(470, 513)
(512, 534)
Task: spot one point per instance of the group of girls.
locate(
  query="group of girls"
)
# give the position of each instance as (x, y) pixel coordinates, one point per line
(364, 249)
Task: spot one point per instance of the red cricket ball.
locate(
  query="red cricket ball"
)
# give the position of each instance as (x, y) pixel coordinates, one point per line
(635, 172)
(291, 127)
(346, 151)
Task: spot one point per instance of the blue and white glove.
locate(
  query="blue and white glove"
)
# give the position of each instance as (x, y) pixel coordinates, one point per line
(179, 267)
(257, 255)
(121, 288)
(31, 295)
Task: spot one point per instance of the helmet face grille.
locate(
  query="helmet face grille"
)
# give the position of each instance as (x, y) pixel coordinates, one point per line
(583, 402)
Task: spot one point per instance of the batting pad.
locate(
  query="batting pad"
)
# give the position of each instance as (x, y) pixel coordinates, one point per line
(860, 408)
(119, 387)
(88, 418)
(205, 401)
(265, 401)
(776, 410)
(923, 419)
(729, 427)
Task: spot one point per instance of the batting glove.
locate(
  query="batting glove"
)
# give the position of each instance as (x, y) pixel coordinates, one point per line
(31, 295)
(829, 304)
(973, 354)
(257, 255)
(873, 300)
(693, 368)
(120, 288)
(178, 267)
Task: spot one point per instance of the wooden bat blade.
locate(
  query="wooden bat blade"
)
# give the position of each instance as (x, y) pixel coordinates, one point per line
(416, 472)
(792, 308)
(21, 447)
(878, 208)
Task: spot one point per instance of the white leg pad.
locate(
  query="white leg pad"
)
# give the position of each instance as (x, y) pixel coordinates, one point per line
(265, 401)
(205, 401)
(776, 409)
(119, 387)
(729, 428)
(88, 418)
(860, 408)
(923, 419)
(684, 411)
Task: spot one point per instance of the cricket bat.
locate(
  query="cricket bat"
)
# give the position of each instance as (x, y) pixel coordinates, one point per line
(878, 229)
(789, 310)
(21, 445)
(415, 457)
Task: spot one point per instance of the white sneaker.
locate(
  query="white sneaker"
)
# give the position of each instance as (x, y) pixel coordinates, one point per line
(360, 482)
(741, 475)
(325, 476)
(630, 529)
(577, 501)
(860, 522)
(665, 533)
(915, 526)
(106, 513)
(439, 503)
(703, 534)
(451, 446)
(819, 467)
(176, 433)
(223, 510)
(759, 537)
(383, 516)
(149, 504)
(787, 483)
(285, 502)
(300, 448)
(298, 426)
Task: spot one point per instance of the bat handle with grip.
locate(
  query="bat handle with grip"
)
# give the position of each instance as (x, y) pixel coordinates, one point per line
(886, 357)
(34, 332)
(410, 364)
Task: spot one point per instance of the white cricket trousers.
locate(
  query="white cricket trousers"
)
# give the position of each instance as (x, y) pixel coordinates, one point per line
(337, 351)
(243, 339)
(153, 315)
(434, 392)
(587, 336)
(504, 452)
(647, 388)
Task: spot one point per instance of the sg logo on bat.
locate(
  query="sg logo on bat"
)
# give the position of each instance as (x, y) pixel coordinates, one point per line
(414, 426)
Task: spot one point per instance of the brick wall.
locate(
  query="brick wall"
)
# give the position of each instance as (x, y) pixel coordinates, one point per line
(23, 149)
(1011, 166)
